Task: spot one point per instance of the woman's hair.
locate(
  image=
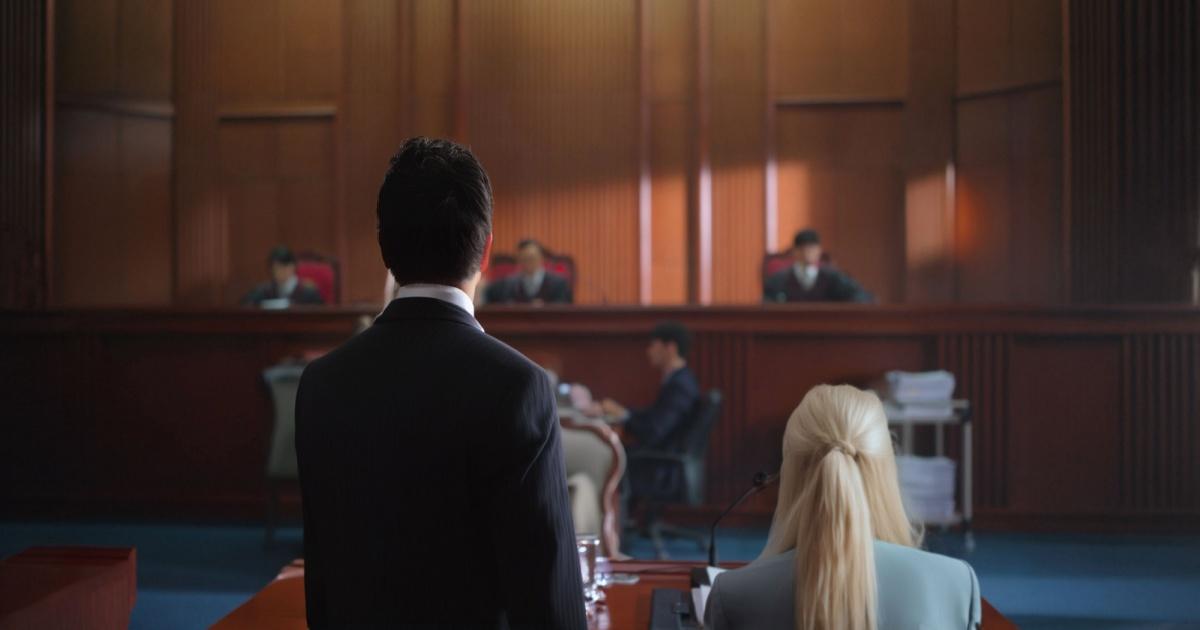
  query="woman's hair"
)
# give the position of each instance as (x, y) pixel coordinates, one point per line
(838, 493)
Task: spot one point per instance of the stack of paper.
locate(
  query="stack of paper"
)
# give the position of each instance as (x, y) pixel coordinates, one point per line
(927, 485)
(919, 395)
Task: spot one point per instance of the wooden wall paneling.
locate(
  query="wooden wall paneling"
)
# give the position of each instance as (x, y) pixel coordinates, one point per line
(25, 129)
(1064, 440)
(737, 96)
(1075, 386)
(1008, 188)
(983, 221)
(1134, 118)
(431, 100)
(559, 133)
(845, 49)
(720, 361)
(672, 52)
(929, 126)
(1036, 197)
(376, 83)
(839, 75)
(979, 363)
(201, 217)
(1159, 412)
(700, 219)
(113, 243)
(278, 132)
(841, 172)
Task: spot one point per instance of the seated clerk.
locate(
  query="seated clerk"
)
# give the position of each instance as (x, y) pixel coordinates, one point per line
(807, 280)
(841, 553)
(285, 287)
(532, 284)
(652, 427)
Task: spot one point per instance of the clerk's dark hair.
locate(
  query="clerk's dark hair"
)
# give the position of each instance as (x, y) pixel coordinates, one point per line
(676, 333)
(434, 212)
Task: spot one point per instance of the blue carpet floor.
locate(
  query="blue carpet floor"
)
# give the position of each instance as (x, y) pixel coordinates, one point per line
(189, 576)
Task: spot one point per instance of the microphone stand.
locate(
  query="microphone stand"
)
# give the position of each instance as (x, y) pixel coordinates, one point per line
(761, 481)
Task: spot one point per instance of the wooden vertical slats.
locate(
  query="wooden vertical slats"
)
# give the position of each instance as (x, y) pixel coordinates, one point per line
(979, 362)
(201, 239)
(23, 164)
(1134, 163)
(1160, 400)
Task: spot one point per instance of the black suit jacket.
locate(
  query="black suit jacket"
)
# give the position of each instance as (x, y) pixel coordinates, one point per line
(305, 293)
(431, 472)
(658, 428)
(555, 289)
(831, 286)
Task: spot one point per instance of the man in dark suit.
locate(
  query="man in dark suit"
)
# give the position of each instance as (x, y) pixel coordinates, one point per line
(657, 427)
(807, 280)
(285, 288)
(431, 468)
(532, 284)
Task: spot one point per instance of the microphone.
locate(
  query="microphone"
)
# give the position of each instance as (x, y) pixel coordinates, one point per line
(761, 481)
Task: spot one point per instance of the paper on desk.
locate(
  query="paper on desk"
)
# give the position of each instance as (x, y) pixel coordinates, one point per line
(713, 572)
(699, 599)
(700, 593)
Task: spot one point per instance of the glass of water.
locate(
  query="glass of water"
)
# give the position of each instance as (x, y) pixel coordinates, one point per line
(588, 546)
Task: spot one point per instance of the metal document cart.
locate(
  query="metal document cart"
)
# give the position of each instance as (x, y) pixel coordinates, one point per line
(961, 417)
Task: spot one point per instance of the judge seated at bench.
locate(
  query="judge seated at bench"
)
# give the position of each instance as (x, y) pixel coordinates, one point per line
(285, 288)
(808, 280)
(532, 284)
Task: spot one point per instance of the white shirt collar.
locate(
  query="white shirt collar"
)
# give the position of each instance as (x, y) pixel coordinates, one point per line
(533, 283)
(286, 289)
(805, 274)
(445, 293)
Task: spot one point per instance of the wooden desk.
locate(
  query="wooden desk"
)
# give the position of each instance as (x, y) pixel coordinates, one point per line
(68, 587)
(280, 606)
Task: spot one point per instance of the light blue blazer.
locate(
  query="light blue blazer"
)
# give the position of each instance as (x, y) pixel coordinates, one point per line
(916, 589)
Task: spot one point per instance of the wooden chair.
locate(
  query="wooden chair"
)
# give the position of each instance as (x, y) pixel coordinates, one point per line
(592, 448)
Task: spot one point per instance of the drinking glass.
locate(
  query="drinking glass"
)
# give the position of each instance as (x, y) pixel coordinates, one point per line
(588, 546)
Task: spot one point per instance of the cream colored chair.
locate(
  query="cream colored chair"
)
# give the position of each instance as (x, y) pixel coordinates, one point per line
(595, 462)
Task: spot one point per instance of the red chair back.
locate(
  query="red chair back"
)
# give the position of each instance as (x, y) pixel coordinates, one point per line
(505, 265)
(501, 267)
(563, 266)
(774, 263)
(323, 272)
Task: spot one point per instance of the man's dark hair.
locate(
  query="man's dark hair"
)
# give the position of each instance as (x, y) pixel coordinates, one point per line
(676, 333)
(806, 237)
(434, 212)
(282, 255)
(529, 242)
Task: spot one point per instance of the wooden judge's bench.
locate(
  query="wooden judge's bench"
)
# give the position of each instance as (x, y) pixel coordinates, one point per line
(1083, 418)
(280, 606)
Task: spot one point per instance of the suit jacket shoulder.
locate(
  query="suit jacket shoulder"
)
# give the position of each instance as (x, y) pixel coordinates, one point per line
(915, 589)
(775, 286)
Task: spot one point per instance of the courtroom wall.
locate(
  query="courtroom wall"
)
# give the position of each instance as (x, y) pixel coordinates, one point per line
(666, 145)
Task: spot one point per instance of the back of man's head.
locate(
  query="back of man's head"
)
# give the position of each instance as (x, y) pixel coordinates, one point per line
(674, 332)
(434, 213)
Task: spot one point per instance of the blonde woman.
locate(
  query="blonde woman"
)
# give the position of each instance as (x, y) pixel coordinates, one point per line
(841, 552)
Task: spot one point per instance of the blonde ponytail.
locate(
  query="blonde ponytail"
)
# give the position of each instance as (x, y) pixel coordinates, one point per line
(838, 494)
(835, 553)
